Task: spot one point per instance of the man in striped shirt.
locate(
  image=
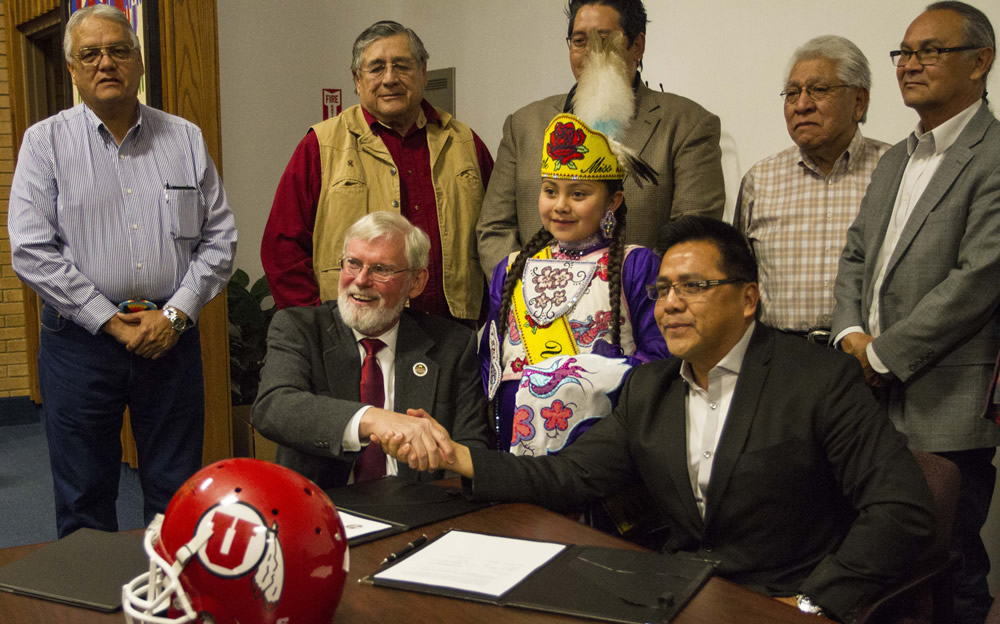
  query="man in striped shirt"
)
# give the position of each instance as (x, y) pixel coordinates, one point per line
(795, 206)
(113, 201)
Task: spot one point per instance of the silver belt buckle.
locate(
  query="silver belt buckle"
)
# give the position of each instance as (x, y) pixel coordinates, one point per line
(819, 336)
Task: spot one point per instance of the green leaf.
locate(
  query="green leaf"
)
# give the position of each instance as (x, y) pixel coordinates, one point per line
(240, 278)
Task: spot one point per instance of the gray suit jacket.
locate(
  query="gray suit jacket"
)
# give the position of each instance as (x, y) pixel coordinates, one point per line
(938, 306)
(676, 136)
(812, 490)
(310, 386)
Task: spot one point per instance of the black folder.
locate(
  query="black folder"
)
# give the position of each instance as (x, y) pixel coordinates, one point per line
(608, 584)
(86, 569)
(404, 504)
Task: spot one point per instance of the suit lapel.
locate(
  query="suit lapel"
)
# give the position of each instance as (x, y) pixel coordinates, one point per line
(645, 122)
(884, 206)
(955, 160)
(416, 374)
(672, 414)
(746, 396)
(342, 360)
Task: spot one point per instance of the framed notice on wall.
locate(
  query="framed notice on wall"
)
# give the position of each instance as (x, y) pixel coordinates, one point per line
(143, 16)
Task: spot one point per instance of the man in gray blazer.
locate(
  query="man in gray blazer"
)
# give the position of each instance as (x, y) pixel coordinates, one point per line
(676, 136)
(312, 394)
(917, 291)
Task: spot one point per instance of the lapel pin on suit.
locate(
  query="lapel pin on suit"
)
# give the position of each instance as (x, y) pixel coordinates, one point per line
(420, 369)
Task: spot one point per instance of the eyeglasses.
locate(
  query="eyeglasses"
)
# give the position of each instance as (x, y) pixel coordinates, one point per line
(925, 56)
(377, 70)
(578, 41)
(817, 93)
(687, 290)
(119, 53)
(378, 272)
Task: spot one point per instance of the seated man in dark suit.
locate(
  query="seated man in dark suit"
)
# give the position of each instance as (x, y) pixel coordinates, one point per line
(337, 373)
(762, 451)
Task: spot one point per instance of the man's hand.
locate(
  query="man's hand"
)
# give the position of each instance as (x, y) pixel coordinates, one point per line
(399, 448)
(856, 344)
(153, 335)
(428, 443)
(119, 330)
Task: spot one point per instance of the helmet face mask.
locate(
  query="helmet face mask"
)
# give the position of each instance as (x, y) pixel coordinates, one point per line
(242, 541)
(151, 593)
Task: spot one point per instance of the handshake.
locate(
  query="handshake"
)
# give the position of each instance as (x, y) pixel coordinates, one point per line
(415, 439)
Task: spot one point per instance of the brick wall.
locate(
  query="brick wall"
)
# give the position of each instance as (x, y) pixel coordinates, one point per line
(13, 357)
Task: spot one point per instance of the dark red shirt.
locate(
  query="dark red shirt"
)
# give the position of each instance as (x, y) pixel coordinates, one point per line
(287, 246)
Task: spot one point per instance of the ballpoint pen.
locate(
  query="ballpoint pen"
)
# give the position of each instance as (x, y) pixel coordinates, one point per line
(405, 550)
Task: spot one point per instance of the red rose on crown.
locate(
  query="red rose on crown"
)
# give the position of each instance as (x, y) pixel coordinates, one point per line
(566, 144)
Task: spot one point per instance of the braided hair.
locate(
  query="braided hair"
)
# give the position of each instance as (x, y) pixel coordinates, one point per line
(616, 259)
(538, 242)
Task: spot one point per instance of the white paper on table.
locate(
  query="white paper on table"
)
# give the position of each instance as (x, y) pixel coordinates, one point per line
(356, 526)
(484, 564)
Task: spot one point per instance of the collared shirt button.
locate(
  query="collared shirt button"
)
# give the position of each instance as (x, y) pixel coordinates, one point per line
(138, 265)
(121, 156)
(135, 226)
(707, 454)
(713, 405)
(395, 203)
(129, 191)
(392, 171)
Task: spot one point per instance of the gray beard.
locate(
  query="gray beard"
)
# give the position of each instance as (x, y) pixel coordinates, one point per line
(370, 322)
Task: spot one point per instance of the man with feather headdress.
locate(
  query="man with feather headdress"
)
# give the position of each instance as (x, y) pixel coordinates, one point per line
(676, 136)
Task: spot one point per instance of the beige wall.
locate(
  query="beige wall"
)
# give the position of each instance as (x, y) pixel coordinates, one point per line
(730, 56)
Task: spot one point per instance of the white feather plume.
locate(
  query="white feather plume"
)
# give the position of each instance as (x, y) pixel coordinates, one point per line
(605, 101)
(604, 98)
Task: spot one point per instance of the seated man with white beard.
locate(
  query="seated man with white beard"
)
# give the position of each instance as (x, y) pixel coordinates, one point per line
(364, 365)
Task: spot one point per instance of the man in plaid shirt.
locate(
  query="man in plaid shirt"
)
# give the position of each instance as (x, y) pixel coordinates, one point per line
(795, 206)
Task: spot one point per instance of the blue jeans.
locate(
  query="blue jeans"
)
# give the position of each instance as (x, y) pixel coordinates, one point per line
(87, 382)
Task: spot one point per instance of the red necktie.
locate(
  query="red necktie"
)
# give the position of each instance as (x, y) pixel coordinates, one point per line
(371, 464)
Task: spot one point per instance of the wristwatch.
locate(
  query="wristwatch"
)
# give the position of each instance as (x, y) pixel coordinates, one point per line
(806, 605)
(177, 321)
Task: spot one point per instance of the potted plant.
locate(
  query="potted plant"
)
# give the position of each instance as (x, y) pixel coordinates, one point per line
(248, 323)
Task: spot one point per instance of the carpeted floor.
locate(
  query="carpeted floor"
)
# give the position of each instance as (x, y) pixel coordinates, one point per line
(26, 488)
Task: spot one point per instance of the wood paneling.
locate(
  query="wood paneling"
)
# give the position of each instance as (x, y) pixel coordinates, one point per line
(17, 14)
(189, 60)
(23, 11)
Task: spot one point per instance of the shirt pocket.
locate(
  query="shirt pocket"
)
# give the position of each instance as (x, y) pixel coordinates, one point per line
(183, 212)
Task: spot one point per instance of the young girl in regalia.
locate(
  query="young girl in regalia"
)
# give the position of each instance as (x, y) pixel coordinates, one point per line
(569, 315)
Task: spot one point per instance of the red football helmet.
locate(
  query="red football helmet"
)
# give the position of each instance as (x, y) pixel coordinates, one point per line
(243, 541)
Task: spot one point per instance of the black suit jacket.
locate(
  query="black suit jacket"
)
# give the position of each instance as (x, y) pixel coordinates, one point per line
(812, 489)
(310, 386)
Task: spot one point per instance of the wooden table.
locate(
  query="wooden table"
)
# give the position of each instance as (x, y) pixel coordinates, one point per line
(719, 602)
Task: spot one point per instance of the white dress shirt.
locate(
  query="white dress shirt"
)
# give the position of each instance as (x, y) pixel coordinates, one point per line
(706, 411)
